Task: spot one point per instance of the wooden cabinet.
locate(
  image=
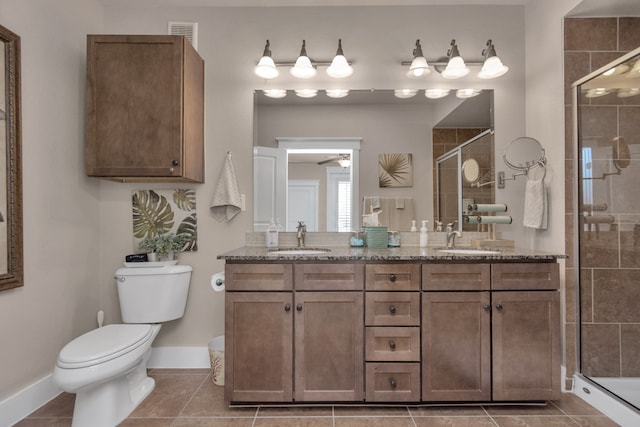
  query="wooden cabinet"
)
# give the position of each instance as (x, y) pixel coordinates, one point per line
(145, 109)
(483, 344)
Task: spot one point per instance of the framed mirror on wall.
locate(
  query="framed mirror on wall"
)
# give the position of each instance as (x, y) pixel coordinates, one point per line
(11, 263)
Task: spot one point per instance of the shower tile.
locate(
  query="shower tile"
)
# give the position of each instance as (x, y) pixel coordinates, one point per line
(591, 34)
(599, 248)
(599, 125)
(615, 296)
(570, 349)
(600, 350)
(628, 33)
(586, 295)
(629, 123)
(576, 66)
(630, 336)
(630, 248)
(600, 59)
(569, 240)
(570, 297)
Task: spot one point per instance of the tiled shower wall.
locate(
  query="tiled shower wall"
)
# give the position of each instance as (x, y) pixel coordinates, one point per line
(610, 281)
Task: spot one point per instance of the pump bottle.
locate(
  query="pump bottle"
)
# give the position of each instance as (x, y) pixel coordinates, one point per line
(424, 236)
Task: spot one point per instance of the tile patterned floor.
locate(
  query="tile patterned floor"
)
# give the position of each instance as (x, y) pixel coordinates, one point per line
(188, 398)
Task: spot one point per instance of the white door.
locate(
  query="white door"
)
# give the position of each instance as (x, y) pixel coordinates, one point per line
(305, 193)
(269, 182)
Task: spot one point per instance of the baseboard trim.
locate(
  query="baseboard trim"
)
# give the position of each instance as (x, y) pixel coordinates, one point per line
(32, 397)
(605, 403)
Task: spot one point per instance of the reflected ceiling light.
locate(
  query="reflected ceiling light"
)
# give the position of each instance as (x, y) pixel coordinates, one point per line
(467, 93)
(306, 93)
(339, 67)
(275, 93)
(493, 66)
(345, 161)
(266, 68)
(419, 66)
(405, 93)
(622, 68)
(456, 67)
(635, 70)
(597, 92)
(303, 68)
(627, 92)
(337, 93)
(436, 93)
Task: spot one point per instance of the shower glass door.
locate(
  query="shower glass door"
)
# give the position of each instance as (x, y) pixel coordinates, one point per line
(608, 224)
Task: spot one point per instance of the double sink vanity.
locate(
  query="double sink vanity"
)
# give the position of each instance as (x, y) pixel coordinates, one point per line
(399, 325)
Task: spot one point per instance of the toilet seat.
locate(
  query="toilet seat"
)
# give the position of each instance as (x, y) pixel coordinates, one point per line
(103, 344)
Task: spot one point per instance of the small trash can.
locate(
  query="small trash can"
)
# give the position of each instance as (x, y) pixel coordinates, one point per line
(216, 353)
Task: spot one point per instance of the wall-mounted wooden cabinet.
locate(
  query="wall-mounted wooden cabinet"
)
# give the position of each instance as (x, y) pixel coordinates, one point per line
(145, 109)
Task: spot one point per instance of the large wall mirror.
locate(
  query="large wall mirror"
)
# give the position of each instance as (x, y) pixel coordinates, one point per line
(352, 135)
(11, 273)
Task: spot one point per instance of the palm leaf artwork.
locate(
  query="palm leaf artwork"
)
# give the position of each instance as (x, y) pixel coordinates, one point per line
(152, 214)
(185, 199)
(188, 228)
(395, 170)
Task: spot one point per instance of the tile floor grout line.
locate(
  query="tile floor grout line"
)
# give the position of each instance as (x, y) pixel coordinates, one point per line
(206, 377)
(412, 419)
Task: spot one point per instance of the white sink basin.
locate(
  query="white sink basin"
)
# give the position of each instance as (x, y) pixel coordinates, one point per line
(469, 251)
(296, 251)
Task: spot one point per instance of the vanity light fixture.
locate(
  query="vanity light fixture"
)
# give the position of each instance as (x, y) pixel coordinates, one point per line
(337, 93)
(405, 93)
(306, 93)
(436, 93)
(493, 66)
(339, 67)
(419, 66)
(467, 93)
(597, 92)
(266, 68)
(456, 67)
(275, 93)
(303, 69)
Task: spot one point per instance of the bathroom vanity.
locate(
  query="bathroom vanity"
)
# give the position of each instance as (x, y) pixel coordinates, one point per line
(391, 325)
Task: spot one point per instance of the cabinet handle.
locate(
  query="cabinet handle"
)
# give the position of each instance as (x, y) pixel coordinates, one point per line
(299, 307)
(392, 309)
(486, 307)
(175, 163)
(499, 307)
(287, 307)
(392, 277)
(392, 383)
(392, 345)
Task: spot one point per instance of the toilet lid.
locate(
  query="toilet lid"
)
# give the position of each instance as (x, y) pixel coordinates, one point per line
(103, 344)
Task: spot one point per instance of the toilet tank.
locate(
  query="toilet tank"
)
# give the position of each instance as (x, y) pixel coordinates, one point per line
(153, 294)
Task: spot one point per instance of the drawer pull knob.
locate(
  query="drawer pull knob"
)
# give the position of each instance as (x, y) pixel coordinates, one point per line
(392, 309)
(299, 307)
(392, 277)
(486, 307)
(392, 345)
(392, 383)
(287, 307)
(499, 307)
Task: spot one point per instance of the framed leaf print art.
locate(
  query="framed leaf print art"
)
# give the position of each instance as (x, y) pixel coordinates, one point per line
(395, 170)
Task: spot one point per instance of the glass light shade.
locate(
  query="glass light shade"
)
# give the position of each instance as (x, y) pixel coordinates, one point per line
(467, 93)
(405, 93)
(345, 163)
(275, 93)
(266, 68)
(597, 92)
(339, 68)
(455, 69)
(419, 67)
(436, 93)
(622, 68)
(303, 68)
(306, 93)
(337, 93)
(492, 68)
(626, 93)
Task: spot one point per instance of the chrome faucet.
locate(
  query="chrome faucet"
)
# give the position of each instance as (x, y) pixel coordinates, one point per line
(302, 231)
(451, 235)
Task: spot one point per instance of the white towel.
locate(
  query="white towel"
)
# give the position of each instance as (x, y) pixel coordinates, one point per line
(399, 203)
(535, 205)
(226, 202)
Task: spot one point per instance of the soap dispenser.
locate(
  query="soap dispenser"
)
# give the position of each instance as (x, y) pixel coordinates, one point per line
(413, 225)
(424, 237)
(271, 235)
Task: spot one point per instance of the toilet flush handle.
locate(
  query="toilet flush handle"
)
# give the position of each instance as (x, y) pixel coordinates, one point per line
(119, 279)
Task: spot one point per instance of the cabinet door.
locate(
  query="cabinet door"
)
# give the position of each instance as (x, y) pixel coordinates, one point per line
(258, 346)
(329, 362)
(456, 353)
(526, 345)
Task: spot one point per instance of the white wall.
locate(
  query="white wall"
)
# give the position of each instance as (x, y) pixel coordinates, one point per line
(61, 206)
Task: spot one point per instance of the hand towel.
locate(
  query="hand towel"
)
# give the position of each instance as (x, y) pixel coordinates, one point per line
(399, 203)
(226, 202)
(535, 205)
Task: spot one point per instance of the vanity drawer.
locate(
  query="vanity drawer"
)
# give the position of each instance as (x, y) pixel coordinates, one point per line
(392, 309)
(393, 382)
(393, 277)
(329, 277)
(258, 277)
(392, 344)
(456, 277)
(525, 276)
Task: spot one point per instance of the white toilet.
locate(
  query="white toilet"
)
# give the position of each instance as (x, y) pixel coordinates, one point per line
(107, 367)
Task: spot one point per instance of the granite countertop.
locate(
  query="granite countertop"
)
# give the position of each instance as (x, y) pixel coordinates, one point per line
(404, 253)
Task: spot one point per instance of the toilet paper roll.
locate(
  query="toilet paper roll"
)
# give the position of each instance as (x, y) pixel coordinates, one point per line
(487, 208)
(217, 282)
(472, 219)
(495, 219)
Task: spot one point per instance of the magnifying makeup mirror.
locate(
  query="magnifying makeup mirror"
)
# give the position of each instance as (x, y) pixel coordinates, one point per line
(621, 153)
(471, 171)
(524, 153)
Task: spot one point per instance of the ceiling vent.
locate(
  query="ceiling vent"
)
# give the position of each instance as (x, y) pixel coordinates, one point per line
(187, 29)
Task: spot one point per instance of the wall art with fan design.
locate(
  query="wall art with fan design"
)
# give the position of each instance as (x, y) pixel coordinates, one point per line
(395, 170)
